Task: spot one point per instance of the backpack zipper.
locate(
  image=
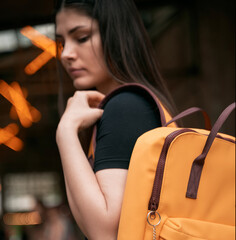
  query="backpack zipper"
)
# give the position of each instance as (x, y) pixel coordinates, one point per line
(156, 191)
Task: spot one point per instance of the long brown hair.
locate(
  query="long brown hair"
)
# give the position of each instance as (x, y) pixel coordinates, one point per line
(128, 51)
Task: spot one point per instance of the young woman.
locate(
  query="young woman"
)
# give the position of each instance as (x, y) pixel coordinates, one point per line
(104, 45)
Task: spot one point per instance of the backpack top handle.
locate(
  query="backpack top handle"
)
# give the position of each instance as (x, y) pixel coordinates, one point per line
(198, 163)
(190, 111)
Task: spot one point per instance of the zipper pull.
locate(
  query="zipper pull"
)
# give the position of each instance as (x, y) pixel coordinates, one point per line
(151, 219)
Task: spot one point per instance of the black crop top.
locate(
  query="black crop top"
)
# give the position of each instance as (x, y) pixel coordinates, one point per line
(126, 117)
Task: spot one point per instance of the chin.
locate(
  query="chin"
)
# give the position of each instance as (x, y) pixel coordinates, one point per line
(82, 86)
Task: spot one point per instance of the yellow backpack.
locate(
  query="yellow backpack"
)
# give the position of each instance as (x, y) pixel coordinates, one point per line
(181, 185)
(170, 195)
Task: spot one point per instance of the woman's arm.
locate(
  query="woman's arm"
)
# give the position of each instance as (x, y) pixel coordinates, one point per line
(95, 200)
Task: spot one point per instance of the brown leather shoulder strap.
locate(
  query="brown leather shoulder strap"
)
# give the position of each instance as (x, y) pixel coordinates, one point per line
(135, 87)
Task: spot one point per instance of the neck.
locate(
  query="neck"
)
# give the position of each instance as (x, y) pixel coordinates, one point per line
(107, 88)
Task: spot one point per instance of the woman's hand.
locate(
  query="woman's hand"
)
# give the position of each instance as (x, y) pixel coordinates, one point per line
(82, 110)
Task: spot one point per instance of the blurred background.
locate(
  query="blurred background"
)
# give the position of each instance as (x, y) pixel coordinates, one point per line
(195, 45)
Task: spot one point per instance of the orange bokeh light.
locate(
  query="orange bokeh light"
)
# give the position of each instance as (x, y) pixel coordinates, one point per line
(25, 112)
(19, 219)
(8, 137)
(20, 109)
(43, 42)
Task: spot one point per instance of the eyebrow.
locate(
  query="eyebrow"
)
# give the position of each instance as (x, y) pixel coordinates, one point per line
(71, 31)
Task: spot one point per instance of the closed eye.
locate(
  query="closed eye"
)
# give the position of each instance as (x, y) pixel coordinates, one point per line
(83, 39)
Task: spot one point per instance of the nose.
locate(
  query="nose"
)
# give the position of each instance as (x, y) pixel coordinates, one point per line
(68, 53)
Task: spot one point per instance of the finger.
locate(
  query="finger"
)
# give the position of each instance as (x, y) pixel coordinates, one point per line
(94, 98)
(98, 113)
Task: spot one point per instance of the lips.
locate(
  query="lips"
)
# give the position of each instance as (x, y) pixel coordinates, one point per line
(76, 72)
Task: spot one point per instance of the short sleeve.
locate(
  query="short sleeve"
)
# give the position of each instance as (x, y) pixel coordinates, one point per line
(126, 117)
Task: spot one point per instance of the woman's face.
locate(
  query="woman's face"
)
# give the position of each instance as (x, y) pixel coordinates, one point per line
(82, 54)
